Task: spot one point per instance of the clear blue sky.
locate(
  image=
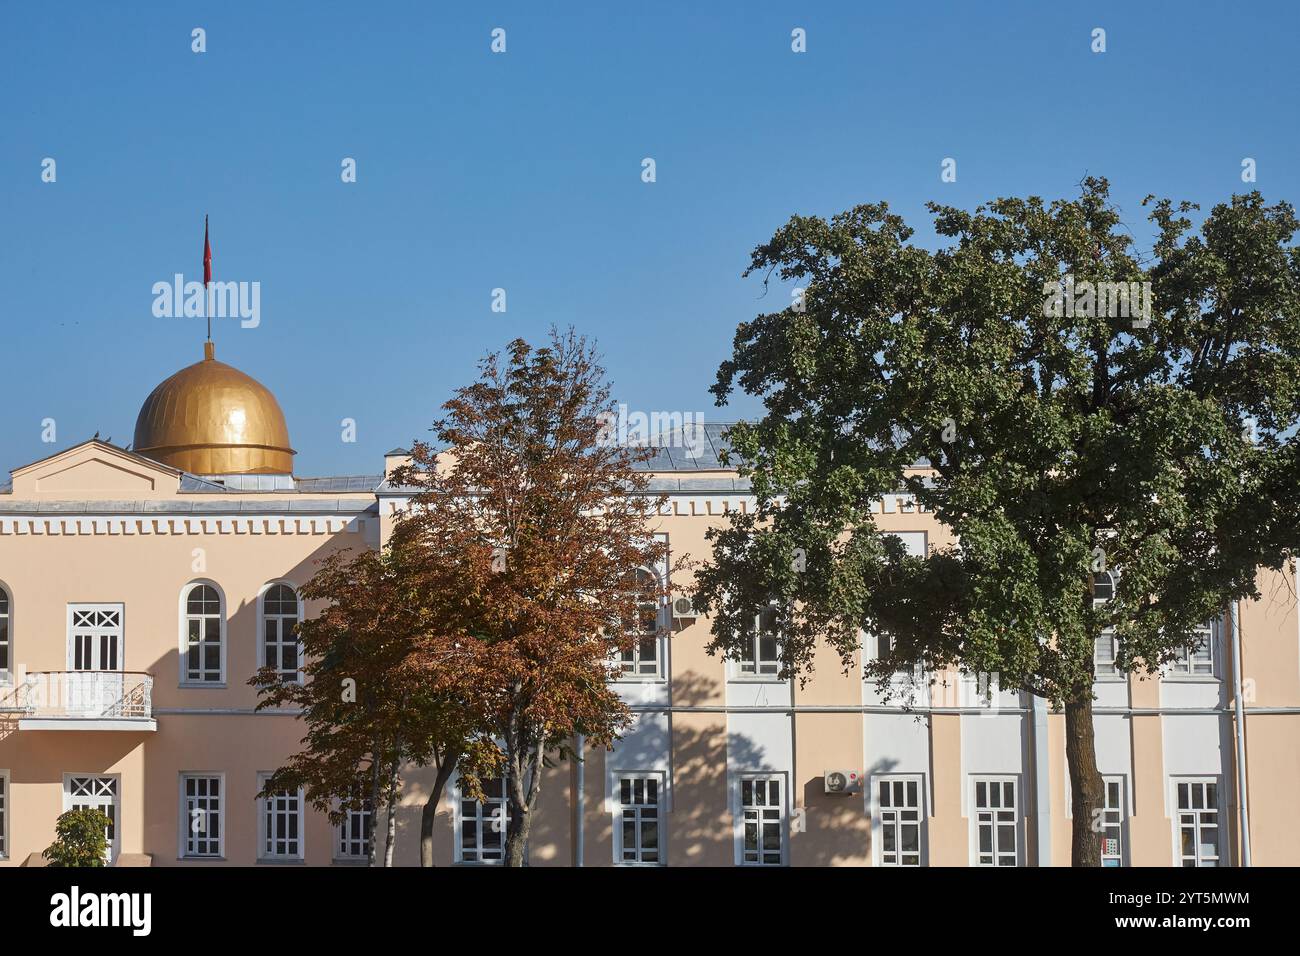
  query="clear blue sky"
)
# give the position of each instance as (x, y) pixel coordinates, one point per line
(523, 171)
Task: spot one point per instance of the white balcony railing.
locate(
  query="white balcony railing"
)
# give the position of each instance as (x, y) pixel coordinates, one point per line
(82, 695)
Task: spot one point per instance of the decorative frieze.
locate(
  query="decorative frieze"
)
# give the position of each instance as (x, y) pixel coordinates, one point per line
(59, 525)
(715, 505)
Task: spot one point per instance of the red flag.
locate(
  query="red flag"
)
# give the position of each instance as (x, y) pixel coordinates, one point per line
(207, 254)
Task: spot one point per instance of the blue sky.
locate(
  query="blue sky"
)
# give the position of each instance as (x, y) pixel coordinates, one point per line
(523, 171)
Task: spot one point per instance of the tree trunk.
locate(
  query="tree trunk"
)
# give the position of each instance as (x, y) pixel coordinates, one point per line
(519, 820)
(522, 790)
(375, 786)
(392, 803)
(429, 812)
(1087, 798)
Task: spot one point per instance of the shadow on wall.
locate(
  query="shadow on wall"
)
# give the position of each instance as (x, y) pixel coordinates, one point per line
(838, 827)
(701, 826)
(223, 745)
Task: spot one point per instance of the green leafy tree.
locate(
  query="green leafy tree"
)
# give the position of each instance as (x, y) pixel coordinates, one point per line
(81, 839)
(1063, 435)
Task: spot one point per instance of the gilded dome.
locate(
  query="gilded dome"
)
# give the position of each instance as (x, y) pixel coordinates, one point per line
(212, 419)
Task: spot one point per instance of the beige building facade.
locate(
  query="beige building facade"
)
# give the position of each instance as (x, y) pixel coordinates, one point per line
(137, 598)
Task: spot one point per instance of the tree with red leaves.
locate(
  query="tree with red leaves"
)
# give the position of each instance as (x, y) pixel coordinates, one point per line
(532, 524)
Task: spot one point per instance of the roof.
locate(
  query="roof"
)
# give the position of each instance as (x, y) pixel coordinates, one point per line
(227, 484)
(696, 448)
(103, 444)
(683, 451)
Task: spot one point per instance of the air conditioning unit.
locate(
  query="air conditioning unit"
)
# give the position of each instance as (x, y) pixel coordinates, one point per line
(683, 608)
(843, 781)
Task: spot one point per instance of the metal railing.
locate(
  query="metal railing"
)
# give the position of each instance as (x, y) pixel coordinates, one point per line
(81, 695)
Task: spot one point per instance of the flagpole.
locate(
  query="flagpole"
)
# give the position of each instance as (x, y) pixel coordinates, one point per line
(207, 276)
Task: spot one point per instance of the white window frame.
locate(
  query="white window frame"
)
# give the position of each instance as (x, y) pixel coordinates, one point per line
(120, 634)
(342, 839)
(760, 668)
(623, 675)
(739, 810)
(1203, 665)
(262, 618)
(1221, 821)
(660, 805)
(914, 675)
(185, 616)
(489, 818)
(186, 816)
(1111, 672)
(263, 856)
(6, 810)
(1115, 816)
(7, 637)
(879, 823)
(1113, 583)
(1105, 669)
(976, 821)
(115, 845)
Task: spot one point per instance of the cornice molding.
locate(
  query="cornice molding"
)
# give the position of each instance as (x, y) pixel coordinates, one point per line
(111, 525)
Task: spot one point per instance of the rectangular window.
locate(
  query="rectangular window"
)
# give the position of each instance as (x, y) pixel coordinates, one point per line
(639, 814)
(899, 807)
(481, 826)
(1198, 822)
(996, 823)
(203, 651)
(1112, 822)
(762, 819)
(760, 654)
(354, 835)
(1104, 654)
(280, 824)
(876, 650)
(82, 792)
(4, 814)
(1198, 659)
(201, 817)
(281, 647)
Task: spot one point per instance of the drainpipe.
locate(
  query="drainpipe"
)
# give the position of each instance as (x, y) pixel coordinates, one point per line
(581, 802)
(1038, 759)
(1240, 734)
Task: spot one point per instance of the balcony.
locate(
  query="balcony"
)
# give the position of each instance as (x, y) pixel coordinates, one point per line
(82, 700)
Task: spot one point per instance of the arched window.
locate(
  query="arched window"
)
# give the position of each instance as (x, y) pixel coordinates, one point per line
(1105, 649)
(6, 640)
(641, 658)
(202, 652)
(279, 625)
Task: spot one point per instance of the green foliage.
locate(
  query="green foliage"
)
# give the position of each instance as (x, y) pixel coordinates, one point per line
(1056, 440)
(81, 839)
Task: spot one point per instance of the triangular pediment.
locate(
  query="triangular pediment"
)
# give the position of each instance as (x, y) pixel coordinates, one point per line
(95, 470)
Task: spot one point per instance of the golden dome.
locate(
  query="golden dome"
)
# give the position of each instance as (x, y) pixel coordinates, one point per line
(212, 419)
